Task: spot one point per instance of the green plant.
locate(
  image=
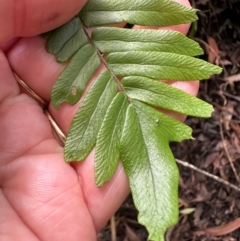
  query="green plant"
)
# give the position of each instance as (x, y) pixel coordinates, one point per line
(118, 115)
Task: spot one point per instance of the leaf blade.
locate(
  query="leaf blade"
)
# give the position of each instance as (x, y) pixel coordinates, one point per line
(163, 66)
(87, 121)
(110, 39)
(150, 168)
(73, 80)
(72, 46)
(162, 95)
(96, 13)
(164, 125)
(61, 35)
(107, 153)
(66, 40)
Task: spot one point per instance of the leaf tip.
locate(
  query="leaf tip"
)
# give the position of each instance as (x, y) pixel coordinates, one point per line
(207, 110)
(49, 50)
(60, 59)
(55, 105)
(218, 70)
(98, 182)
(214, 69)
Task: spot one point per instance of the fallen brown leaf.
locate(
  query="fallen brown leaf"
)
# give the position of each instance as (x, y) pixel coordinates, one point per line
(213, 51)
(233, 78)
(228, 114)
(203, 2)
(130, 234)
(220, 230)
(210, 159)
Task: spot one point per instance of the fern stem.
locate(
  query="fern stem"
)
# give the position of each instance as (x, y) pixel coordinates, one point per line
(100, 55)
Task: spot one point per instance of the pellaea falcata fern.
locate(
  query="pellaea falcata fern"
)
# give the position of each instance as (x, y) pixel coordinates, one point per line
(119, 114)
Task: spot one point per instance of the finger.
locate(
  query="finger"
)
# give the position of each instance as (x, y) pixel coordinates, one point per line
(39, 193)
(11, 100)
(12, 227)
(28, 18)
(102, 202)
(39, 70)
(8, 217)
(6, 46)
(8, 88)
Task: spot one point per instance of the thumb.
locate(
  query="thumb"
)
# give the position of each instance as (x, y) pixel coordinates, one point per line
(28, 18)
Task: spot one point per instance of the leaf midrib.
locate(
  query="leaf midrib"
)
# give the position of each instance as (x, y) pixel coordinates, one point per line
(144, 11)
(148, 162)
(133, 42)
(68, 41)
(181, 67)
(150, 91)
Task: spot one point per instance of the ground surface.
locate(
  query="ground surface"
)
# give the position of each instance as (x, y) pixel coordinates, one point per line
(216, 144)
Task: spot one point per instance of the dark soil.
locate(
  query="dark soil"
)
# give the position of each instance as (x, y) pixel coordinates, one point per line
(216, 144)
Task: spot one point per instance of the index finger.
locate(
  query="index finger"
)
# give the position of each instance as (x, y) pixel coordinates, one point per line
(28, 18)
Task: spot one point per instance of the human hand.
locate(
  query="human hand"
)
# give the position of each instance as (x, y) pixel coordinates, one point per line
(42, 197)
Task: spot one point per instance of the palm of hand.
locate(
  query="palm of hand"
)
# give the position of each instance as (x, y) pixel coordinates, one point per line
(42, 197)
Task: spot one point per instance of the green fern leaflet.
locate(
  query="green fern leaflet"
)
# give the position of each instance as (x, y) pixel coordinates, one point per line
(118, 115)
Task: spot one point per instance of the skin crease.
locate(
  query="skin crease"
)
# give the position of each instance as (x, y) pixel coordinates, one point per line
(42, 197)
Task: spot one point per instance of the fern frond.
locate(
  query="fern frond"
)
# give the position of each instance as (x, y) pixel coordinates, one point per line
(118, 113)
